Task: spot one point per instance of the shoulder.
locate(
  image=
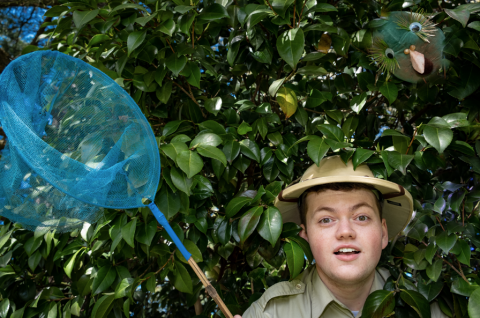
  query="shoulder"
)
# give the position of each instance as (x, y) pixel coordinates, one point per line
(279, 291)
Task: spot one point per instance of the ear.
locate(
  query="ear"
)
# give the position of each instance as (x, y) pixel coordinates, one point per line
(384, 234)
(303, 233)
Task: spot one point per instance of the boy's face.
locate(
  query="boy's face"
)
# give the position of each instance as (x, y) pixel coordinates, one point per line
(338, 222)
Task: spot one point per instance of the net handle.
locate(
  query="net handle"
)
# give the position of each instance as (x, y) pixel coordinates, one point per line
(208, 287)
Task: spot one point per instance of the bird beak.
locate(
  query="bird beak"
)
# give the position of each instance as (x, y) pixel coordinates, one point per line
(418, 61)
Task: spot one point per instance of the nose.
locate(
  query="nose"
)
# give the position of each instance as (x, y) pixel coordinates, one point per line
(345, 230)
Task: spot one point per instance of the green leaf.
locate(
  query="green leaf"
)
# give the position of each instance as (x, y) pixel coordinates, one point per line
(193, 249)
(128, 232)
(271, 225)
(290, 46)
(80, 18)
(430, 252)
(168, 202)
(235, 205)
(190, 162)
(18, 313)
(332, 132)
(213, 105)
(231, 150)
(129, 6)
(4, 307)
(439, 205)
(439, 138)
(103, 306)
(458, 14)
(461, 287)
(97, 39)
(135, 39)
(464, 254)
(430, 291)
(360, 156)
(123, 288)
(295, 258)
(379, 304)
(207, 139)
(212, 152)
(213, 12)
(223, 229)
(316, 149)
(4, 238)
(84, 285)
(244, 128)
(163, 94)
(417, 302)
(445, 241)
(434, 270)
(70, 264)
(474, 304)
(398, 161)
(180, 180)
(176, 64)
(469, 82)
(275, 86)
(182, 280)
(248, 223)
(357, 102)
(31, 245)
(104, 279)
(167, 27)
(312, 70)
(250, 149)
(390, 91)
(287, 99)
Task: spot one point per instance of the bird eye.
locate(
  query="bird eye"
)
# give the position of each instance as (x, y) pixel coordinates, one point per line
(389, 53)
(415, 27)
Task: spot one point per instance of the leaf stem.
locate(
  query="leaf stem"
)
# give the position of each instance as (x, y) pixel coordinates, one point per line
(411, 142)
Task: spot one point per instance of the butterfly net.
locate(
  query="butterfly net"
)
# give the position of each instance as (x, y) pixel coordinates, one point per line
(76, 143)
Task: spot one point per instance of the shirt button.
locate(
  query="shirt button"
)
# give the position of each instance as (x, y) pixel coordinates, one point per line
(299, 286)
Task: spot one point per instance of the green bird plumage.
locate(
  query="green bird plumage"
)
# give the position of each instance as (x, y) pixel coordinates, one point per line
(397, 36)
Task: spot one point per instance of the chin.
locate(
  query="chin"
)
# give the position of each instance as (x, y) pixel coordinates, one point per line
(349, 274)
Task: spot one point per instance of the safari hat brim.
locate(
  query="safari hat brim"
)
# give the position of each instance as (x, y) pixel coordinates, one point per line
(398, 202)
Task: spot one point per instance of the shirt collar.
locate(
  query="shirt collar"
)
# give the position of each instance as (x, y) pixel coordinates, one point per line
(322, 296)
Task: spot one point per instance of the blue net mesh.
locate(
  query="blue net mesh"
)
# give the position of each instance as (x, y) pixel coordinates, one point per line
(76, 143)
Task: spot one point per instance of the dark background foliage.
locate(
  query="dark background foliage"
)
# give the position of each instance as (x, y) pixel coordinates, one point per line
(243, 96)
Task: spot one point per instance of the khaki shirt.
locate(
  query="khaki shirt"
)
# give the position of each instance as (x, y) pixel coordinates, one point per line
(307, 296)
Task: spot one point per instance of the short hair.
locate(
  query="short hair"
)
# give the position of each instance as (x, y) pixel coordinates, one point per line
(339, 186)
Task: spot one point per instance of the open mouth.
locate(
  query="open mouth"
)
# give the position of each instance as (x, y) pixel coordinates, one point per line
(346, 251)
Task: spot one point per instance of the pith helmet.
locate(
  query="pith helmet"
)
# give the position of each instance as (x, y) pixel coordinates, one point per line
(398, 203)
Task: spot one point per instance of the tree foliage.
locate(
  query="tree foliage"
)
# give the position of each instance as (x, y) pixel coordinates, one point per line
(243, 96)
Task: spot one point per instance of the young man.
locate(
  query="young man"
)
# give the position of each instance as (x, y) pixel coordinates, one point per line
(348, 217)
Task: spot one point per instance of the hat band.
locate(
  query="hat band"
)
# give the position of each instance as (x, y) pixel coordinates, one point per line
(385, 196)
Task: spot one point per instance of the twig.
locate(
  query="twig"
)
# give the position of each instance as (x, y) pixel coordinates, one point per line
(294, 7)
(191, 96)
(193, 34)
(411, 142)
(440, 223)
(301, 13)
(180, 86)
(453, 267)
(314, 111)
(170, 45)
(271, 7)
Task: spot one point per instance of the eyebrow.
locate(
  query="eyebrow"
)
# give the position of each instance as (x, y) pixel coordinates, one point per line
(353, 208)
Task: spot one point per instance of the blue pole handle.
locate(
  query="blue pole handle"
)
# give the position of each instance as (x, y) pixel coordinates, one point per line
(163, 222)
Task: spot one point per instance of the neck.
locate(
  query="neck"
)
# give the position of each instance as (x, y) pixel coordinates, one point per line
(352, 295)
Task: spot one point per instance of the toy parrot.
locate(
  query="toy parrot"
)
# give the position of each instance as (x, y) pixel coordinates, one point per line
(408, 45)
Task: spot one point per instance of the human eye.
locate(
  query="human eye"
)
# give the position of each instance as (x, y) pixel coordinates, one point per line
(363, 218)
(325, 220)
